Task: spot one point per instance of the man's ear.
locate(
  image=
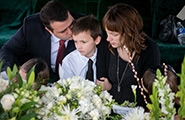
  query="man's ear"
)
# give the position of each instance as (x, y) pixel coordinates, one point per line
(98, 39)
(49, 30)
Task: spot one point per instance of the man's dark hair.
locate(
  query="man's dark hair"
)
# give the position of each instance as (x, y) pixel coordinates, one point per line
(53, 11)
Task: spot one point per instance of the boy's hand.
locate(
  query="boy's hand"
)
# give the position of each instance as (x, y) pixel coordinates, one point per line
(105, 83)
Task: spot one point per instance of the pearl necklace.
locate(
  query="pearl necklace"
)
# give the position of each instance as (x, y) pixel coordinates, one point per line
(135, 73)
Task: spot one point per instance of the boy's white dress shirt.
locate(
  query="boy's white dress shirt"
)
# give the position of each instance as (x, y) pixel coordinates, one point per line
(74, 64)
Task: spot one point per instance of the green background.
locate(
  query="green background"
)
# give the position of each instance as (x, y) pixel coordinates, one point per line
(12, 13)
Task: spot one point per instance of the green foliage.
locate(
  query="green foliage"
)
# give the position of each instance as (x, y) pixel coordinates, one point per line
(181, 92)
(1, 63)
(162, 98)
(154, 107)
(26, 98)
(31, 76)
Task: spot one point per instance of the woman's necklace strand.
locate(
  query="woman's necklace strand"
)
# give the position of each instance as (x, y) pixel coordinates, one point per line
(135, 74)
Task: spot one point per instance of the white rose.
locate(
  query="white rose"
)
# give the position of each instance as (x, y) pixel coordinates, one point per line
(3, 85)
(7, 101)
(97, 101)
(94, 114)
(106, 95)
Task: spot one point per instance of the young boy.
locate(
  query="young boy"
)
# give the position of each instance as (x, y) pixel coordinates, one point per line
(86, 34)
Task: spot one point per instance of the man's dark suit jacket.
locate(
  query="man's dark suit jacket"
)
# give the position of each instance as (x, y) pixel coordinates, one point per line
(30, 41)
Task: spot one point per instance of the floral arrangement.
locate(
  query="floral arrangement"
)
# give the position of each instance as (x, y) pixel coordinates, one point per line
(73, 99)
(77, 98)
(161, 96)
(70, 99)
(18, 101)
(161, 106)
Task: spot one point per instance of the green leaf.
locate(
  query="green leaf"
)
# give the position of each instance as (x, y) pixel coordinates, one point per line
(15, 110)
(9, 73)
(28, 105)
(32, 70)
(31, 79)
(28, 116)
(18, 102)
(14, 84)
(19, 80)
(15, 70)
(1, 63)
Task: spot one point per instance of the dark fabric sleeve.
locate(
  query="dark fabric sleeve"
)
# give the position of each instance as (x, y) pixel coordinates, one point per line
(102, 59)
(14, 47)
(151, 56)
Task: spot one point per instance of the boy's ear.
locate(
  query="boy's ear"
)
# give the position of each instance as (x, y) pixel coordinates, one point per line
(98, 39)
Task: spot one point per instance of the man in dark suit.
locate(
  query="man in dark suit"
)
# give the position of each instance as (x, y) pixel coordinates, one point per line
(39, 37)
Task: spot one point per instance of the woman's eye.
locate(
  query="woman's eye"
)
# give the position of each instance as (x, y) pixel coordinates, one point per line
(115, 35)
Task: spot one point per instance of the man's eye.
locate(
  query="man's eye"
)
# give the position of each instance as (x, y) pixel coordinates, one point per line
(63, 31)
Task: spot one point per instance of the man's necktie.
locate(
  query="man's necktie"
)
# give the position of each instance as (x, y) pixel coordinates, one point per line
(90, 74)
(60, 54)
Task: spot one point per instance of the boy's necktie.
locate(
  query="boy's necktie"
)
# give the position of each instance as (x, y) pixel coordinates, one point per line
(90, 74)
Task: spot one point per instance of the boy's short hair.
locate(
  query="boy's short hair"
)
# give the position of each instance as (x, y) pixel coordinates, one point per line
(41, 69)
(85, 24)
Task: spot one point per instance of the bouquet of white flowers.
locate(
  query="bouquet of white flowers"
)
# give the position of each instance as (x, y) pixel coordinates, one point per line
(18, 101)
(74, 98)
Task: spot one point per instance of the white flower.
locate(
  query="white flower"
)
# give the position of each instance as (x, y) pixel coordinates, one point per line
(68, 114)
(94, 114)
(76, 99)
(161, 92)
(162, 100)
(135, 114)
(147, 116)
(164, 80)
(106, 110)
(167, 88)
(97, 101)
(171, 105)
(62, 99)
(7, 101)
(3, 85)
(50, 105)
(171, 96)
(85, 105)
(24, 100)
(164, 110)
(106, 96)
(133, 87)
